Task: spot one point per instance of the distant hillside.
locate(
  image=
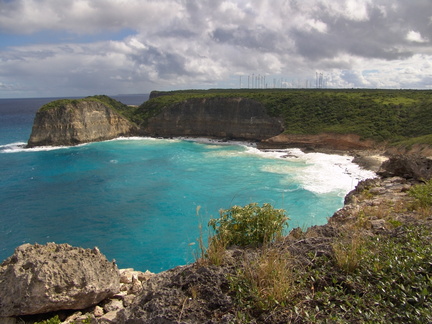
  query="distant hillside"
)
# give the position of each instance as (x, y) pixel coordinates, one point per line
(381, 115)
(306, 118)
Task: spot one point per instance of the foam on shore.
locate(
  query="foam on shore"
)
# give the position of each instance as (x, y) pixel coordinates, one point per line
(319, 172)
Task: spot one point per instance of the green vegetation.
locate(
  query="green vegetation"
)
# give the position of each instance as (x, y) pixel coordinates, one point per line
(249, 225)
(390, 282)
(381, 115)
(423, 194)
(121, 108)
(422, 140)
(53, 320)
(402, 117)
(263, 282)
(56, 320)
(351, 277)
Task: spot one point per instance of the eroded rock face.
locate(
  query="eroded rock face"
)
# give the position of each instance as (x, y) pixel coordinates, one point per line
(43, 278)
(407, 166)
(79, 122)
(236, 118)
(189, 294)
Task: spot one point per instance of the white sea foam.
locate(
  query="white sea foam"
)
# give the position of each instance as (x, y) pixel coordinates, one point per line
(21, 147)
(139, 138)
(316, 172)
(12, 147)
(326, 173)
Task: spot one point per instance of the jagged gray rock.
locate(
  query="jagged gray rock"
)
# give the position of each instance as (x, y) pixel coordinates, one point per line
(38, 279)
(187, 294)
(407, 166)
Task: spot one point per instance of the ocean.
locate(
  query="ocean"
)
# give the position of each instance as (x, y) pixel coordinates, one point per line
(141, 201)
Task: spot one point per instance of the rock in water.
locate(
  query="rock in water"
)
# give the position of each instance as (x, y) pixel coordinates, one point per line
(38, 279)
(77, 122)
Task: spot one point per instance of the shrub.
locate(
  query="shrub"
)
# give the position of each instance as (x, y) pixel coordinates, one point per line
(422, 193)
(264, 281)
(53, 320)
(249, 225)
(348, 254)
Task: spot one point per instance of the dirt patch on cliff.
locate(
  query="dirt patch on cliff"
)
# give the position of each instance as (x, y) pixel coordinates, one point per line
(340, 142)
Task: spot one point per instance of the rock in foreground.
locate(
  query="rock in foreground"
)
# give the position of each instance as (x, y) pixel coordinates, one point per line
(44, 278)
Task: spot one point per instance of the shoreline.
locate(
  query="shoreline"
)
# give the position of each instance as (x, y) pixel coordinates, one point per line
(368, 159)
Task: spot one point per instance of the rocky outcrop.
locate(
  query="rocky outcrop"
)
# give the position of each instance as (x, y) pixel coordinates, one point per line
(44, 278)
(232, 118)
(76, 122)
(414, 167)
(189, 294)
(331, 141)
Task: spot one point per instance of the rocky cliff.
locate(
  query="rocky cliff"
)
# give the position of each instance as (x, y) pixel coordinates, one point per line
(78, 121)
(43, 278)
(236, 118)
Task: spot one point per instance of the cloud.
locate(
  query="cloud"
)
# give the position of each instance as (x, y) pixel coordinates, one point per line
(414, 36)
(171, 44)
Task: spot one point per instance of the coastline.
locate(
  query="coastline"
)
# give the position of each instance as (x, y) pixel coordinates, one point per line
(368, 159)
(167, 292)
(140, 288)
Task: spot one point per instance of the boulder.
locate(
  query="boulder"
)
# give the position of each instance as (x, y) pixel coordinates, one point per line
(187, 294)
(407, 166)
(38, 279)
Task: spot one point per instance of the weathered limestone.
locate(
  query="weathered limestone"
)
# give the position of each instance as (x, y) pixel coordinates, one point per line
(44, 278)
(232, 118)
(76, 123)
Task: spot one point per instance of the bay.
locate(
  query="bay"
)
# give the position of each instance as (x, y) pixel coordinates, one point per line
(137, 198)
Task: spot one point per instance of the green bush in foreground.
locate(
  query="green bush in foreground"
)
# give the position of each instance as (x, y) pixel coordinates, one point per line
(53, 320)
(422, 193)
(249, 225)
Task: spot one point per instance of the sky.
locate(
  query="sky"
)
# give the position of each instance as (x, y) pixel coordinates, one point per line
(52, 48)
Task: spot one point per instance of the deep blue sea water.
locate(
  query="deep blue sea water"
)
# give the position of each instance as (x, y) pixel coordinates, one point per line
(137, 198)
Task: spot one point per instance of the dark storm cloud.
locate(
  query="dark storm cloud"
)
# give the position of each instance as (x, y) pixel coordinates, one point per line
(166, 64)
(259, 38)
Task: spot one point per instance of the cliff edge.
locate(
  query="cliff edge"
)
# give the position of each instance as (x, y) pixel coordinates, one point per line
(232, 118)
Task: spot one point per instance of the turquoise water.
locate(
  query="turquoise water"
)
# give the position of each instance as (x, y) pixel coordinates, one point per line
(136, 199)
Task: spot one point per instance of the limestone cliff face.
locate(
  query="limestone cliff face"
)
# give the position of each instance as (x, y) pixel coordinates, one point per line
(78, 122)
(237, 118)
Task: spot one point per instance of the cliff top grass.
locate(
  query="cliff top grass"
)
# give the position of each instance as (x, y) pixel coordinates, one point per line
(359, 275)
(119, 107)
(381, 115)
